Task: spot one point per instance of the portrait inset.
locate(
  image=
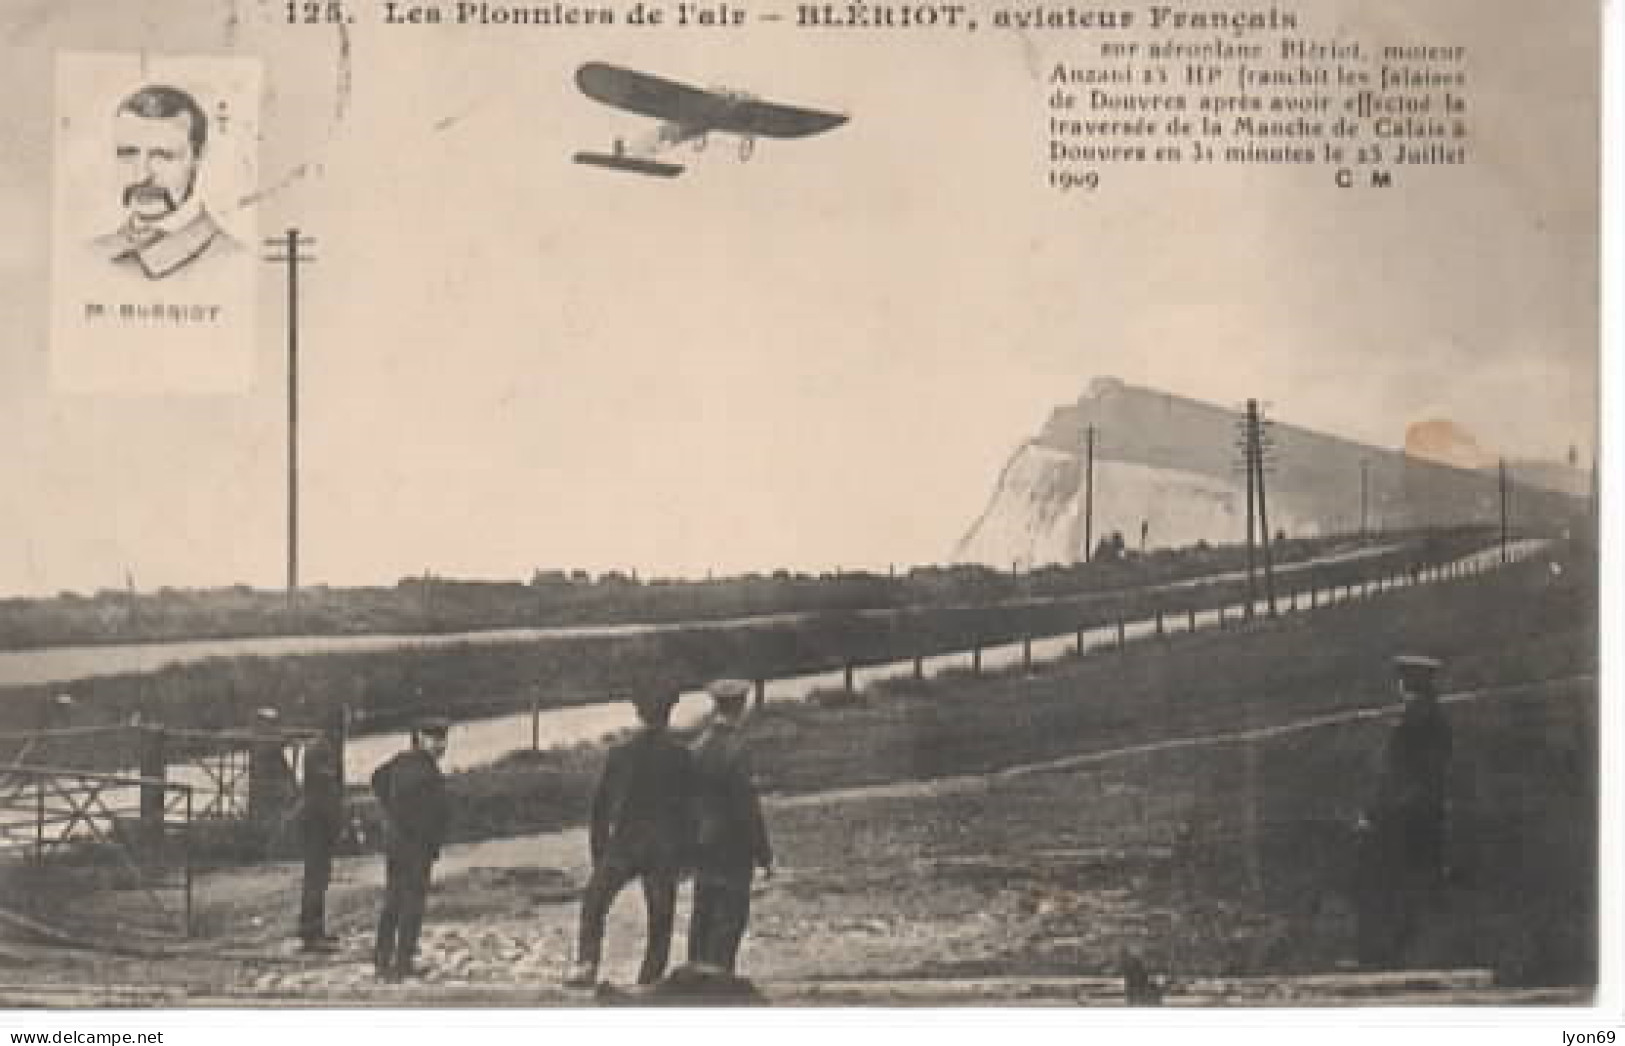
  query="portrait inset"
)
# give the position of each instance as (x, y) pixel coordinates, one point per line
(153, 279)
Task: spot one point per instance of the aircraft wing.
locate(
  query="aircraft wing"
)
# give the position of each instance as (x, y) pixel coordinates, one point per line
(771, 120)
(650, 96)
(696, 110)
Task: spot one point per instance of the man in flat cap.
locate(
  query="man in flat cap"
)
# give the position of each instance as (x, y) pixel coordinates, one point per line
(1405, 859)
(731, 835)
(641, 828)
(411, 793)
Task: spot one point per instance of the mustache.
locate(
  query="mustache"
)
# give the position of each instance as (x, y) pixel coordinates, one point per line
(147, 190)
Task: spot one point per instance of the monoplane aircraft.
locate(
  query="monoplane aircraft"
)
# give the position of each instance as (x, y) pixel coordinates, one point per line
(688, 114)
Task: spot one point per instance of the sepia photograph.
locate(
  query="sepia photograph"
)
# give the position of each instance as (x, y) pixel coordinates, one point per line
(154, 282)
(535, 507)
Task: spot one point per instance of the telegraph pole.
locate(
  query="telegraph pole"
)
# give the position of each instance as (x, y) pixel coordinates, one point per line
(1088, 493)
(1365, 484)
(1596, 507)
(1502, 472)
(1248, 449)
(286, 250)
(1260, 443)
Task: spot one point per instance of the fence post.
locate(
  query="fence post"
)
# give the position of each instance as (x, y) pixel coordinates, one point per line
(340, 732)
(1311, 597)
(186, 850)
(847, 677)
(1080, 640)
(1122, 638)
(536, 723)
(39, 819)
(919, 667)
(152, 769)
(1027, 654)
(761, 691)
(1192, 612)
(976, 660)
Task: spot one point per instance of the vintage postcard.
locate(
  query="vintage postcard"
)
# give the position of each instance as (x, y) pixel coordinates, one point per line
(596, 503)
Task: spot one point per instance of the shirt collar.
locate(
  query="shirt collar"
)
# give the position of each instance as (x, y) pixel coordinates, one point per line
(163, 246)
(177, 219)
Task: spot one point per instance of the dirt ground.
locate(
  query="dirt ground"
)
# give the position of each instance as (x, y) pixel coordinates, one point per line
(1212, 839)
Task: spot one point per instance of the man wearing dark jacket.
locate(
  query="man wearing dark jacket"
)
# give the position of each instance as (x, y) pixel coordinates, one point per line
(321, 824)
(730, 836)
(640, 829)
(411, 792)
(1405, 828)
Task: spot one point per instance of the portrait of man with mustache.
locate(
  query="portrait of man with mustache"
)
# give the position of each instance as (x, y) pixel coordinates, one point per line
(160, 136)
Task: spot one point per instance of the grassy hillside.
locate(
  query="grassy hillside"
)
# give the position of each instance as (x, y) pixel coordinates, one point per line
(1495, 630)
(386, 688)
(431, 604)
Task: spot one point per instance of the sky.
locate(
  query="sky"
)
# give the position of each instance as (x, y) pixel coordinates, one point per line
(820, 358)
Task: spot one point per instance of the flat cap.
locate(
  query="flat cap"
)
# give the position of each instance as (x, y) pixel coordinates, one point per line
(728, 691)
(1417, 671)
(655, 697)
(437, 726)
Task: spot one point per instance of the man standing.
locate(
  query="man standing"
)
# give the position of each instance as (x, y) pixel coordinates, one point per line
(730, 836)
(321, 824)
(411, 792)
(159, 137)
(1405, 838)
(641, 828)
(273, 790)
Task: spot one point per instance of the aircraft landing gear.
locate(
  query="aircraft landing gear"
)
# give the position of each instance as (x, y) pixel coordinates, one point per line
(747, 145)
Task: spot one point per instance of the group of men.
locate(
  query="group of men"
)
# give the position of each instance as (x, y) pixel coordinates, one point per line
(414, 808)
(662, 811)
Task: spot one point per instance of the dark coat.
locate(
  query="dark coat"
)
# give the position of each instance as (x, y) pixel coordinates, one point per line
(730, 832)
(321, 802)
(1410, 809)
(1416, 762)
(642, 809)
(412, 791)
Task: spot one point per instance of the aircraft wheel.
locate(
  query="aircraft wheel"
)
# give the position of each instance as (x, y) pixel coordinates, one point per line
(746, 147)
